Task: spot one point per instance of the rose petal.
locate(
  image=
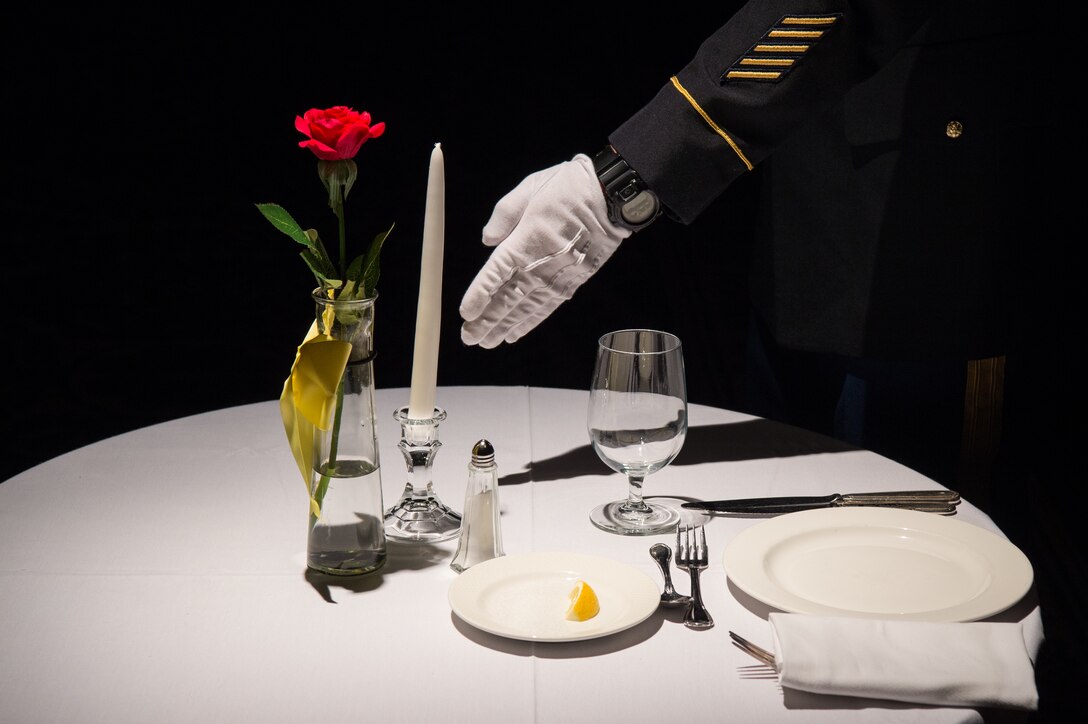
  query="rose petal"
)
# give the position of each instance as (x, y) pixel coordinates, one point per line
(320, 150)
(352, 140)
(302, 126)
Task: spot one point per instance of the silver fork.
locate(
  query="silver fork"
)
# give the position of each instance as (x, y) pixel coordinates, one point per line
(691, 555)
(757, 652)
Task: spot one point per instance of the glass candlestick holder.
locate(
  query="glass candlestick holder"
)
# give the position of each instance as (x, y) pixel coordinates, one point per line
(419, 515)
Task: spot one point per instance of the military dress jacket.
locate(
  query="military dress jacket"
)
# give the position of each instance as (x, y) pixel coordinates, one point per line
(900, 212)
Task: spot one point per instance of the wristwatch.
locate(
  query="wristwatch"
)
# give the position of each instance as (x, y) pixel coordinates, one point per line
(630, 203)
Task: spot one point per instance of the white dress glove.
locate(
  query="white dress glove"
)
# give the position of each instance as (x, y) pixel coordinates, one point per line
(551, 233)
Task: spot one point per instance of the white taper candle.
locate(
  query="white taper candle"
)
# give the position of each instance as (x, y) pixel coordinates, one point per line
(429, 309)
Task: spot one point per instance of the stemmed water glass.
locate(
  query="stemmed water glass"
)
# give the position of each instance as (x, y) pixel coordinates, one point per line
(638, 419)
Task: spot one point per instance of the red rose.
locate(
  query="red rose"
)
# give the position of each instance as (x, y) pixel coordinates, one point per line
(336, 133)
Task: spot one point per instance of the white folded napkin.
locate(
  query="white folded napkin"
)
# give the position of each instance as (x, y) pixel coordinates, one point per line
(953, 664)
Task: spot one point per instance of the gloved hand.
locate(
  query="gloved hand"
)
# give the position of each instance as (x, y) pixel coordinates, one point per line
(551, 233)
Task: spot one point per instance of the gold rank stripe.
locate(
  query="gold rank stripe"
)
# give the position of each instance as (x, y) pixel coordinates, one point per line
(710, 121)
(754, 74)
(775, 49)
(818, 20)
(795, 34)
(767, 61)
(763, 48)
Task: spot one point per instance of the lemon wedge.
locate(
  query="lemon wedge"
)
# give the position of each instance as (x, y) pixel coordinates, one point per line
(583, 603)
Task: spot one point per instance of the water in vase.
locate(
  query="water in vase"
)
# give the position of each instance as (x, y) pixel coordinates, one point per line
(348, 538)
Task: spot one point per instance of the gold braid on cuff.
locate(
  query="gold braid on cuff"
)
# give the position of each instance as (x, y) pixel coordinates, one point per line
(710, 121)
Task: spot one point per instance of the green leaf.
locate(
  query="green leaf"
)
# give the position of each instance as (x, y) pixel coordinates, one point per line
(325, 273)
(318, 248)
(355, 276)
(371, 267)
(283, 221)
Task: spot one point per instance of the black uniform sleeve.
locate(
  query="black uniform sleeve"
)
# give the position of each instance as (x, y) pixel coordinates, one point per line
(771, 67)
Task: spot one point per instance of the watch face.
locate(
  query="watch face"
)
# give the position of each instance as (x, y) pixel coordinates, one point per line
(639, 209)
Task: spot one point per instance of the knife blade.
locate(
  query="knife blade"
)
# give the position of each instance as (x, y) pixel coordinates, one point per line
(931, 501)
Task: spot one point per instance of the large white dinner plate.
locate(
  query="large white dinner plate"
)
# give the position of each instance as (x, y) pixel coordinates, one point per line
(525, 596)
(878, 563)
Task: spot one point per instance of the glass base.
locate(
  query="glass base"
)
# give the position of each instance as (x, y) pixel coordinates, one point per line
(346, 563)
(617, 517)
(421, 519)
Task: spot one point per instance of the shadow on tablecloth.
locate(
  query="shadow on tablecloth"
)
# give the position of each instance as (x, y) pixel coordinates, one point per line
(726, 442)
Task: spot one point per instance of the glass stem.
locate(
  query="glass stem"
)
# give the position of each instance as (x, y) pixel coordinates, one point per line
(634, 493)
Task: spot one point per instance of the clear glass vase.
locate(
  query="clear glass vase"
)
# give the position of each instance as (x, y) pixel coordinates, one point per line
(348, 536)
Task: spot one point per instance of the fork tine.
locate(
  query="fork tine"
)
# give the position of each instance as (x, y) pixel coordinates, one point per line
(701, 555)
(757, 652)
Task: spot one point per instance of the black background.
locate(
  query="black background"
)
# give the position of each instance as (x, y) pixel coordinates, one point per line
(141, 283)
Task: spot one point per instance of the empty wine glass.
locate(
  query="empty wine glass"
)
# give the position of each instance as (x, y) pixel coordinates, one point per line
(638, 419)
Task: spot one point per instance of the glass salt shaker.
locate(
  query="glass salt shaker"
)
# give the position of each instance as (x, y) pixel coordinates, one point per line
(481, 534)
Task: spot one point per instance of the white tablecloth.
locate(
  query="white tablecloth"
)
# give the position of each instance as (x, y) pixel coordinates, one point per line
(159, 576)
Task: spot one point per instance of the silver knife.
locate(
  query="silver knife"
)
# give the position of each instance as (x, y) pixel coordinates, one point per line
(930, 501)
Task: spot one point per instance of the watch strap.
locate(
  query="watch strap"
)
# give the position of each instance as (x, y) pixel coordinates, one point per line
(631, 204)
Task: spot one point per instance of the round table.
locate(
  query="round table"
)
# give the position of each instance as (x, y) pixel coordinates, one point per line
(159, 576)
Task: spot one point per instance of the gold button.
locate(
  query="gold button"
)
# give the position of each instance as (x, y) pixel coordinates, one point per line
(954, 129)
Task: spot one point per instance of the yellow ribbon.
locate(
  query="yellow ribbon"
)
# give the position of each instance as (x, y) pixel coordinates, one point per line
(309, 397)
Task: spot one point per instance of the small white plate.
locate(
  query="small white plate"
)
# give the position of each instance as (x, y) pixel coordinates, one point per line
(525, 596)
(878, 563)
